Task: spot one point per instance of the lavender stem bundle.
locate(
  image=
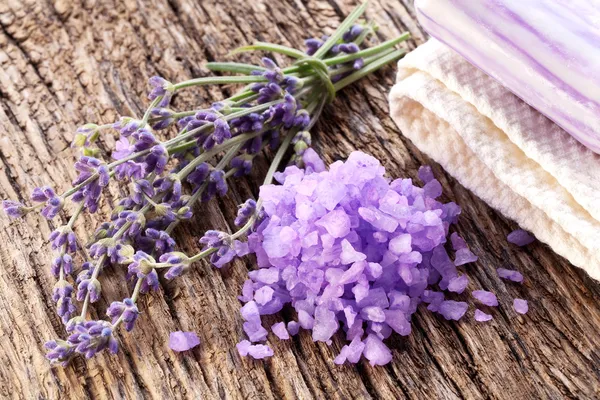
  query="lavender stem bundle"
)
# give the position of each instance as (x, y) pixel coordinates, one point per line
(275, 110)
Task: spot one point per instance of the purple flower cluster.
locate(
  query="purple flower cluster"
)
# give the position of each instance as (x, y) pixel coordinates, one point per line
(350, 249)
(86, 338)
(53, 203)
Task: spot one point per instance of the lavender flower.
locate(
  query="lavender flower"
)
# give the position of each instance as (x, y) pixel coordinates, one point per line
(245, 211)
(161, 88)
(125, 310)
(13, 209)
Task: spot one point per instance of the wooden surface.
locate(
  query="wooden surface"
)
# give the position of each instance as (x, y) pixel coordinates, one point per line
(64, 63)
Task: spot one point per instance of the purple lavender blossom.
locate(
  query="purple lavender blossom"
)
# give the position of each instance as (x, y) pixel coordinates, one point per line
(161, 87)
(61, 295)
(125, 310)
(13, 209)
(245, 211)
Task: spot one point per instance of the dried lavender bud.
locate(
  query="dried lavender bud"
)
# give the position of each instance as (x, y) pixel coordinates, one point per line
(245, 211)
(352, 33)
(125, 310)
(61, 295)
(165, 117)
(92, 286)
(161, 88)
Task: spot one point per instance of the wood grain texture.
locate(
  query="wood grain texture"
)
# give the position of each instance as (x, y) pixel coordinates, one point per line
(66, 62)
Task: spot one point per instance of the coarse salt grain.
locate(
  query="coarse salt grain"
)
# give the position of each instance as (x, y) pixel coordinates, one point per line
(521, 306)
(485, 297)
(481, 316)
(520, 237)
(183, 341)
(510, 275)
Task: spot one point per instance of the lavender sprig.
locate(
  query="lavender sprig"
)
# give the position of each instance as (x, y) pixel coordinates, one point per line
(167, 177)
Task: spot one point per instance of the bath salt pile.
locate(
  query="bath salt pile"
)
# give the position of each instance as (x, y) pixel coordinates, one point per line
(350, 249)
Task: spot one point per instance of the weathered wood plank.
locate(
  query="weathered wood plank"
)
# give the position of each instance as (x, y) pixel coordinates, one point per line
(63, 63)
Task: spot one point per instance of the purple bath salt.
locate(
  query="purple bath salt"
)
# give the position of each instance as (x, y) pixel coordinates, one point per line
(485, 297)
(183, 341)
(510, 275)
(353, 251)
(520, 306)
(453, 310)
(520, 237)
(257, 351)
(458, 284)
(481, 316)
(279, 330)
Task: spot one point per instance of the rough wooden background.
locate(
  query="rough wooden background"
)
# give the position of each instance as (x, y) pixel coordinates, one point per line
(63, 63)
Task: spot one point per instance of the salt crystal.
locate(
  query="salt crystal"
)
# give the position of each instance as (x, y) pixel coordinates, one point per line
(458, 284)
(336, 223)
(485, 297)
(183, 341)
(401, 244)
(481, 316)
(263, 295)
(349, 255)
(520, 237)
(464, 256)
(279, 330)
(510, 274)
(453, 310)
(433, 189)
(257, 351)
(520, 306)
(376, 352)
(425, 173)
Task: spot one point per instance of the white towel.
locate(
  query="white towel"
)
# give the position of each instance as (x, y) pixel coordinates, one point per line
(506, 152)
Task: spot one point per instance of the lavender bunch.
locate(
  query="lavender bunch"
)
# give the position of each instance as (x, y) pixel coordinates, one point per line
(275, 110)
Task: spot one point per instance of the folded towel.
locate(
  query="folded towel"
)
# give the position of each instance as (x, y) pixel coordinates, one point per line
(506, 152)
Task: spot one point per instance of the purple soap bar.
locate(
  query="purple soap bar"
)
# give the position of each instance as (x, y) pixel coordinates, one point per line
(547, 52)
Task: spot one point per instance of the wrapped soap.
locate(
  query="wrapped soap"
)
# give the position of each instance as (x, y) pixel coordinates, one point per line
(547, 52)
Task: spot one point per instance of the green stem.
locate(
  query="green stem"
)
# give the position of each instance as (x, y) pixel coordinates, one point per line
(371, 51)
(219, 80)
(214, 151)
(275, 48)
(76, 214)
(149, 110)
(395, 55)
(233, 67)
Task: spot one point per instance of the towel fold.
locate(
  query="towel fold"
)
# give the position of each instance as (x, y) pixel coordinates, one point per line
(506, 152)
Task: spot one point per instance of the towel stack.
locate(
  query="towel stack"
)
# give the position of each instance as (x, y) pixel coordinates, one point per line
(506, 152)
